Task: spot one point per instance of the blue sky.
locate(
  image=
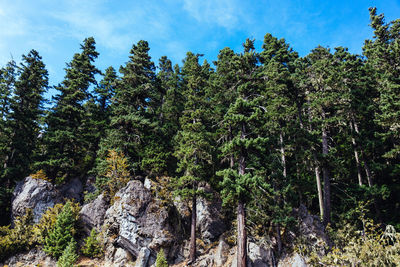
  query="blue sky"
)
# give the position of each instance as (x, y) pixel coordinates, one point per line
(57, 27)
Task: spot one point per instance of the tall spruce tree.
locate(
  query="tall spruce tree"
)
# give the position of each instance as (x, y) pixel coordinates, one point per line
(383, 54)
(132, 108)
(325, 106)
(242, 116)
(66, 147)
(21, 99)
(280, 126)
(167, 105)
(8, 76)
(383, 59)
(26, 109)
(193, 149)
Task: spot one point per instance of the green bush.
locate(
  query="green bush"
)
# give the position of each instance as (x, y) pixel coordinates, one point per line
(161, 261)
(92, 247)
(62, 233)
(69, 256)
(20, 238)
(371, 246)
(48, 220)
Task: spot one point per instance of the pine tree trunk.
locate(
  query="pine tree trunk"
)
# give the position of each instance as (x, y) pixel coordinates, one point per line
(319, 187)
(242, 237)
(278, 238)
(232, 161)
(241, 212)
(327, 182)
(283, 157)
(365, 163)
(317, 172)
(192, 253)
(356, 157)
(368, 173)
(284, 173)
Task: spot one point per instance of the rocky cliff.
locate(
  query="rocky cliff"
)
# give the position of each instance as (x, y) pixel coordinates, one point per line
(137, 225)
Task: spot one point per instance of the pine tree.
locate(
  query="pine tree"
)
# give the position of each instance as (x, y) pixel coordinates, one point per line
(157, 157)
(62, 233)
(92, 247)
(161, 261)
(66, 146)
(69, 256)
(193, 149)
(280, 125)
(383, 56)
(133, 104)
(7, 83)
(325, 103)
(26, 110)
(242, 116)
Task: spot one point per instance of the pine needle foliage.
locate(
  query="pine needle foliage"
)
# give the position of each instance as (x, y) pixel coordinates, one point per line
(92, 247)
(62, 233)
(69, 256)
(161, 261)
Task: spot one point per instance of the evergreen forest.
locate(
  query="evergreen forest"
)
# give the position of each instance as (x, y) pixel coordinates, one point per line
(265, 128)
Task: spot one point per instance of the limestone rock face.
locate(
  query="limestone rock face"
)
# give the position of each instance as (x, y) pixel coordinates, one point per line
(294, 260)
(72, 190)
(39, 195)
(35, 194)
(260, 256)
(92, 214)
(143, 257)
(136, 221)
(312, 229)
(210, 224)
(221, 254)
(34, 257)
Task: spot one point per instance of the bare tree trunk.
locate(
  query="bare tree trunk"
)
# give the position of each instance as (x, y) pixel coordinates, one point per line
(319, 187)
(283, 157)
(278, 238)
(365, 163)
(232, 161)
(241, 213)
(369, 175)
(242, 236)
(327, 182)
(353, 140)
(192, 253)
(317, 176)
(278, 199)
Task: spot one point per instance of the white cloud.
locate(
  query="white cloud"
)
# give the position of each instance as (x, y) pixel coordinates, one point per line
(225, 13)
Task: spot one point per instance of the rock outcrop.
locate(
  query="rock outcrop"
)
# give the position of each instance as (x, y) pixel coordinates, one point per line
(136, 221)
(294, 260)
(72, 190)
(35, 257)
(312, 230)
(210, 224)
(35, 194)
(92, 214)
(39, 195)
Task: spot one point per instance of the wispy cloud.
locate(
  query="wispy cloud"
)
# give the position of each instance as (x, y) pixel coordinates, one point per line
(225, 13)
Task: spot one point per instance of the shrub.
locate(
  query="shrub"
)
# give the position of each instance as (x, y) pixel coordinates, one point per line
(69, 256)
(116, 174)
(62, 233)
(48, 220)
(371, 246)
(161, 261)
(92, 247)
(18, 239)
(40, 174)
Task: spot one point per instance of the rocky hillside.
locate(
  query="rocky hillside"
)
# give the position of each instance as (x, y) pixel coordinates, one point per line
(137, 224)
